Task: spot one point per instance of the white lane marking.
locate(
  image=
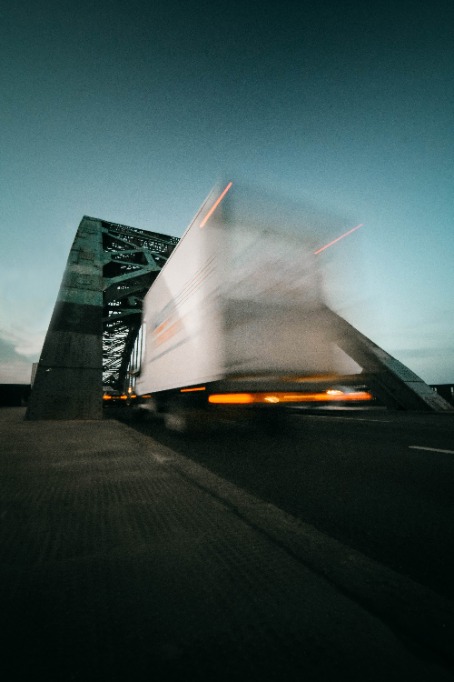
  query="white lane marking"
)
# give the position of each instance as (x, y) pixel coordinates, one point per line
(422, 447)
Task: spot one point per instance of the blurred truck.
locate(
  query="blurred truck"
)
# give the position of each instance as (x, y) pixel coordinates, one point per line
(234, 325)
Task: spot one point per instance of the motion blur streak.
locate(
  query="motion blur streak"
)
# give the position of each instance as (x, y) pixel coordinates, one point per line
(338, 238)
(215, 205)
(191, 390)
(278, 397)
(231, 398)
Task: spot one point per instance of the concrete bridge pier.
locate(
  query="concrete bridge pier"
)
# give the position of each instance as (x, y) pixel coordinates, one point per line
(68, 381)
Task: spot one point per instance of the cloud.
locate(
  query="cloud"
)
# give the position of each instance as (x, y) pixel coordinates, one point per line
(15, 368)
(24, 343)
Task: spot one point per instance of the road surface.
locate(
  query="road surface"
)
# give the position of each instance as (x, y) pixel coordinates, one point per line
(379, 482)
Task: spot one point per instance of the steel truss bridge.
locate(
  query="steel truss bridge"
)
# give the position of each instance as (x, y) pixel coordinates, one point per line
(97, 318)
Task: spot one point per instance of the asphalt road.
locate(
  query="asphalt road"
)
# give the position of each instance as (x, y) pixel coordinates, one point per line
(380, 482)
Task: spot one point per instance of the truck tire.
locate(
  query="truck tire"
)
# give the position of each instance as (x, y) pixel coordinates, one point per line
(178, 418)
(176, 421)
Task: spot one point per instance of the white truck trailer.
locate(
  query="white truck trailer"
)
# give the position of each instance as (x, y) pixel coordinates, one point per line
(234, 322)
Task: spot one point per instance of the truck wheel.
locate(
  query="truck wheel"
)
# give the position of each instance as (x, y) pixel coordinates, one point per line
(176, 421)
(185, 420)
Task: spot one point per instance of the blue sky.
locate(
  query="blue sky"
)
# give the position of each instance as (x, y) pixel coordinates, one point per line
(131, 111)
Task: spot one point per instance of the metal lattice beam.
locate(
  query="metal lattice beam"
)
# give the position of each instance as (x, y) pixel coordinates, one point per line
(132, 260)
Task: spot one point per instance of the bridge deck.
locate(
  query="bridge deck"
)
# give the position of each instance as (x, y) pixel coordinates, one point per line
(121, 560)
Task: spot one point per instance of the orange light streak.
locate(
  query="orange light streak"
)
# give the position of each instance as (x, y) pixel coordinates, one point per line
(294, 397)
(338, 238)
(191, 390)
(215, 205)
(231, 398)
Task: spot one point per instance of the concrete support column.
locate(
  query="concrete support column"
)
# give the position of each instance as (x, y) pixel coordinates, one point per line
(68, 381)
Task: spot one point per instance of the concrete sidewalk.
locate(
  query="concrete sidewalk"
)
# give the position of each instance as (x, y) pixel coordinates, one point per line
(121, 560)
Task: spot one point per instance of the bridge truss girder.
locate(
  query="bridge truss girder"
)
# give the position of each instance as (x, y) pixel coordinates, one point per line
(132, 260)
